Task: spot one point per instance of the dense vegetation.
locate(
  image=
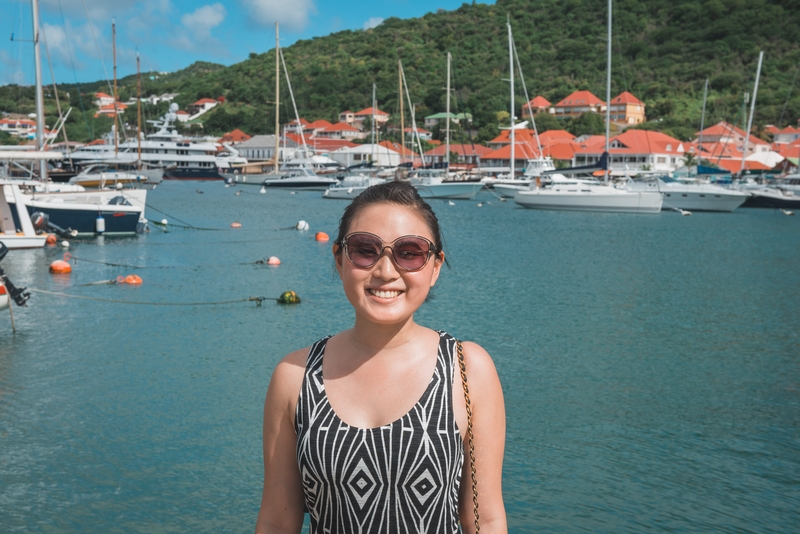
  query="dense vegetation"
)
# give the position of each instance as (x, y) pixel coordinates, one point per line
(663, 50)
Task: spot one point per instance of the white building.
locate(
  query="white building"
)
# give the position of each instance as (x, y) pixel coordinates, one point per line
(381, 156)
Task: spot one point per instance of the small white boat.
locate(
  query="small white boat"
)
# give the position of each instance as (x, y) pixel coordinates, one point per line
(102, 175)
(693, 196)
(429, 184)
(16, 228)
(352, 186)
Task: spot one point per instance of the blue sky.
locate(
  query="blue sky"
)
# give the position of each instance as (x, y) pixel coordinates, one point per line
(171, 34)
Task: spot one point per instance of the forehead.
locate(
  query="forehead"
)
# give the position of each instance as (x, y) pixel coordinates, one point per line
(390, 221)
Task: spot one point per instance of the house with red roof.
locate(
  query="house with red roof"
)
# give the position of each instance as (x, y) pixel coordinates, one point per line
(110, 109)
(633, 151)
(234, 137)
(578, 103)
(628, 109)
(201, 106)
(340, 130)
(724, 133)
(424, 134)
(786, 136)
(380, 117)
(539, 104)
(103, 99)
(347, 117)
(18, 127)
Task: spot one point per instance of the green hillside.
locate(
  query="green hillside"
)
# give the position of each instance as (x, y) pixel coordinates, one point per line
(663, 50)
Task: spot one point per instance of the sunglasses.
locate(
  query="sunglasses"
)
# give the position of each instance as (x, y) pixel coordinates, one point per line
(410, 252)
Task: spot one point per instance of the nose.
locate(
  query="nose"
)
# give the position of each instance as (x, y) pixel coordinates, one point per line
(385, 267)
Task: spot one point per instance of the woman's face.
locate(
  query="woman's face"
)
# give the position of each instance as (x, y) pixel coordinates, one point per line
(384, 293)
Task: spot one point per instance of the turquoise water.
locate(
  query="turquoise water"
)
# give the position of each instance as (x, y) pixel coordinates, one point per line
(651, 364)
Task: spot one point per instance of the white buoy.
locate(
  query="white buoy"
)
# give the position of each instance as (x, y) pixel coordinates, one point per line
(787, 212)
(263, 190)
(164, 222)
(65, 244)
(119, 186)
(451, 203)
(292, 192)
(301, 225)
(480, 204)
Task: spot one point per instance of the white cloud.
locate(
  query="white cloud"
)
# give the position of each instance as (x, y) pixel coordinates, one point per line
(101, 10)
(291, 14)
(70, 46)
(195, 32)
(372, 22)
(12, 73)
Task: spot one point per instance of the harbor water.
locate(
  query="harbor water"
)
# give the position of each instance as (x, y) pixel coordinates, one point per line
(650, 364)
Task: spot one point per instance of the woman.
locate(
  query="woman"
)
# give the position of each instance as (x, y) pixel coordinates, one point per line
(367, 429)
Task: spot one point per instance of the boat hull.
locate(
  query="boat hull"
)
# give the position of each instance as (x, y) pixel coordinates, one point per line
(344, 193)
(20, 241)
(192, 174)
(450, 190)
(772, 200)
(508, 190)
(698, 201)
(84, 220)
(299, 185)
(614, 202)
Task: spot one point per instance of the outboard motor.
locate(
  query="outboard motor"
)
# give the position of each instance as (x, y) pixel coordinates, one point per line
(41, 221)
(18, 294)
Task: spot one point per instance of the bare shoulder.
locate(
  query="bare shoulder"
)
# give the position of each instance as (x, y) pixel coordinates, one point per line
(478, 362)
(287, 378)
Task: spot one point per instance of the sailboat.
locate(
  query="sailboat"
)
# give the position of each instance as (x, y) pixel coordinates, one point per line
(534, 167)
(590, 194)
(430, 183)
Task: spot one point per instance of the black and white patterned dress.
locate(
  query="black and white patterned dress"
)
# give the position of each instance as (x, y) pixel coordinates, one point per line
(401, 477)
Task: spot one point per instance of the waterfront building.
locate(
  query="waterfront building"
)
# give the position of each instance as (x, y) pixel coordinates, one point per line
(724, 133)
(234, 137)
(785, 136)
(633, 152)
(347, 117)
(379, 155)
(380, 117)
(103, 99)
(262, 148)
(340, 130)
(17, 127)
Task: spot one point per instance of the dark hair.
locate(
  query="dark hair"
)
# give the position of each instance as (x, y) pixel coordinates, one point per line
(400, 193)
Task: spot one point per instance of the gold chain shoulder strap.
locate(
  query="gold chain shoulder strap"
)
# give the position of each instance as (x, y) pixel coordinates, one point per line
(470, 435)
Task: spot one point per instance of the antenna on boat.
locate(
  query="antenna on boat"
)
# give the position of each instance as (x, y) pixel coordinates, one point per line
(116, 112)
(752, 110)
(447, 121)
(702, 121)
(138, 112)
(402, 117)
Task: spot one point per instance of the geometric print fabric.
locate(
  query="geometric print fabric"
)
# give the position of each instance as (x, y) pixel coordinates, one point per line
(401, 477)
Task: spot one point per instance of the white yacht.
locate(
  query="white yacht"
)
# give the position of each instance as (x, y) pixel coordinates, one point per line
(16, 228)
(351, 186)
(506, 187)
(572, 194)
(181, 159)
(692, 196)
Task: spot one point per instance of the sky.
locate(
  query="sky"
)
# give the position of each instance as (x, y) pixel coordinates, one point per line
(172, 34)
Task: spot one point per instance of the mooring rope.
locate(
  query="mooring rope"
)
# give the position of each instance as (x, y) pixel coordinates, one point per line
(130, 266)
(257, 300)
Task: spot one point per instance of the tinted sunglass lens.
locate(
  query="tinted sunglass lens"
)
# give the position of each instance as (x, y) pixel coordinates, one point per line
(363, 250)
(411, 253)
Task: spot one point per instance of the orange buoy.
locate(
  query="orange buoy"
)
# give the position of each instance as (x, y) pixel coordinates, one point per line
(236, 224)
(51, 239)
(321, 236)
(273, 260)
(60, 267)
(133, 280)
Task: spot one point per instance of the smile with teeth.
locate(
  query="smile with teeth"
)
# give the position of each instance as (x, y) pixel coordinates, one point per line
(384, 294)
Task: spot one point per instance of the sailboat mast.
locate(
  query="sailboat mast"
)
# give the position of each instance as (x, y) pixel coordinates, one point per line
(447, 127)
(138, 111)
(116, 115)
(37, 54)
(372, 156)
(703, 118)
(402, 117)
(608, 97)
(752, 110)
(277, 98)
(511, 75)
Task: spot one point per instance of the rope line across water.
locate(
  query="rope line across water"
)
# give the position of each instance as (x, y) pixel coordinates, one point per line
(257, 300)
(130, 266)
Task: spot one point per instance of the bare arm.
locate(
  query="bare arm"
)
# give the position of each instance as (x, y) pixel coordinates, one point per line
(282, 500)
(489, 430)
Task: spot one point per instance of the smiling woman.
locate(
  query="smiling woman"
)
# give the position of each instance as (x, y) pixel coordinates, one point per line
(367, 430)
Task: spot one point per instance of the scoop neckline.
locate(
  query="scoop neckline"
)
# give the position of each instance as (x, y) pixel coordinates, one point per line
(424, 395)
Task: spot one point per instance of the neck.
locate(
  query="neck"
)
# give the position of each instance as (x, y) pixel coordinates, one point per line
(372, 338)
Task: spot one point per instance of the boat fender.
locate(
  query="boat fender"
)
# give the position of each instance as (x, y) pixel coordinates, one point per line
(60, 267)
(288, 297)
(273, 260)
(133, 279)
(51, 239)
(236, 224)
(65, 244)
(322, 237)
(100, 224)
(302, 225)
